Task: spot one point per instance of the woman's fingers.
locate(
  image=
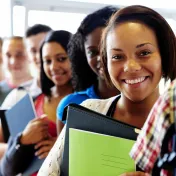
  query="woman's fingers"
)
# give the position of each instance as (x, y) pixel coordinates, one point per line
(135, 174)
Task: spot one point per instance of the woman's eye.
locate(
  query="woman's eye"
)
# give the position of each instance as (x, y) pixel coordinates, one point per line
(117, 57)
(144, 53)
(61, 59)
(93, 53)
(47, 62)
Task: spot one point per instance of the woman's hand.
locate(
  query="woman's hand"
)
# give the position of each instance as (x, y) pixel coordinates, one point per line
(44, 147)
(135, 174)
(35, 131)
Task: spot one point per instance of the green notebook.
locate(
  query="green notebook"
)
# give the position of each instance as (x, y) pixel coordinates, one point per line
(93, 154)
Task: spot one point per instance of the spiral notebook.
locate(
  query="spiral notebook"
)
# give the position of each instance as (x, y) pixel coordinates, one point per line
(81, 118)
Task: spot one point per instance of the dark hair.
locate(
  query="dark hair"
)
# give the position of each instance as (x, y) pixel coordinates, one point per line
(36, 29)
(164, 34)
(61, 37)
(83, 76)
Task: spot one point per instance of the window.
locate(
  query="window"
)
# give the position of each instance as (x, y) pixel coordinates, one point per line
(5, 18)
(149, 3)
(18, 20)
(56, 20)
(172, 23)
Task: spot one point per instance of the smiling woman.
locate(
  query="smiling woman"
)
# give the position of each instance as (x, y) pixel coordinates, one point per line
(84, 53)
(133, 65)
(137, 49)
(56, 63)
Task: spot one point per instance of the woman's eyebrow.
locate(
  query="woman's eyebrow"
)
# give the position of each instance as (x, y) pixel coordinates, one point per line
(116, 49)
(143, 44)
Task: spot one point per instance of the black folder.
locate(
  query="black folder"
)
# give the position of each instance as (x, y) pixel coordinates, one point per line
(85, 119)
(5, 128)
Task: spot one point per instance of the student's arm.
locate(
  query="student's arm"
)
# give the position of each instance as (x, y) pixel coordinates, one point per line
(52, 163)
(146, 149)
(17, 157)
(20, 150)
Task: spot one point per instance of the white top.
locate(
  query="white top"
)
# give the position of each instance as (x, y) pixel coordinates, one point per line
(51, 165)
(15, 95)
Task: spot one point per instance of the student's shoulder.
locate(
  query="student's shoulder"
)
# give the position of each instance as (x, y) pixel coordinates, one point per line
(4, 85)
(71, 98)
(74, 98)
(99, 105)
(13, 97)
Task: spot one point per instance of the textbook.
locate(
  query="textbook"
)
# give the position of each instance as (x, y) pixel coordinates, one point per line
(79, 117)
(97, 154)
(17, 118)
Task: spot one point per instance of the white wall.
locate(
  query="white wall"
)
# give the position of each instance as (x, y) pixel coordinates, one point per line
(165, 8)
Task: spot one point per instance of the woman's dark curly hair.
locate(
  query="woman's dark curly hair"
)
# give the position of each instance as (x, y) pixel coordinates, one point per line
(61, 37)
(83, 76)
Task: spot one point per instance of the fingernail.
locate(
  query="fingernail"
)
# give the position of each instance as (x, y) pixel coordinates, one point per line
(43, 116)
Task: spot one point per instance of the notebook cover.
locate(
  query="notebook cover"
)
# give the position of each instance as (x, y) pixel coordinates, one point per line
(79, 117)
(20, 114)
(17, 118)
(97, 154)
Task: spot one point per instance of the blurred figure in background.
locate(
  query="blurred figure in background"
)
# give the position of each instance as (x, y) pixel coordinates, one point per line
(34, 36)
(2, 74)
(55, 70)
(16, 65)
(33, 39)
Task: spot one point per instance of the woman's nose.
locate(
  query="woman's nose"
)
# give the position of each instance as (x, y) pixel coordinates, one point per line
(54, 65)
(132, 66)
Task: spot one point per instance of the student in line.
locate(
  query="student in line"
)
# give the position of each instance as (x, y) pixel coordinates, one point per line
(40, 134)
(148, 146)
(84, 53)
(33, 39)
(16, 65)
(34, 36)
(2, 71)
(137, 49)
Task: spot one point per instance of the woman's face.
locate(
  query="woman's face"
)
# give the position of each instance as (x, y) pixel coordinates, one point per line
(93, 50)
(134, 60)
(56, 63)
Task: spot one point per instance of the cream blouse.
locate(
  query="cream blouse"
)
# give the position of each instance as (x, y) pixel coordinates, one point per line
(51, 165)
